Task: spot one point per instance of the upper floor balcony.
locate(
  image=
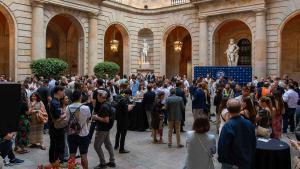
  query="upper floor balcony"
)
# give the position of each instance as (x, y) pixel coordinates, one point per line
(151, 4)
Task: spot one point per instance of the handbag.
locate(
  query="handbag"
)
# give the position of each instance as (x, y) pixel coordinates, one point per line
(60, 123)
(264, 132)
(210, 155)
(42, 117)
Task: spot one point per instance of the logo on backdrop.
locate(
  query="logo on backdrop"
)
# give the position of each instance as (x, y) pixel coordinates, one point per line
(220, 73)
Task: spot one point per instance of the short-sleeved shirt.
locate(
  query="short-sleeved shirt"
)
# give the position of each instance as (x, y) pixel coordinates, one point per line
(83, 117)
(103, 110)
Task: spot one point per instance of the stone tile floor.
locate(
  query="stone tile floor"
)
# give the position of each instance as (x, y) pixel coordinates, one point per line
(143, 154)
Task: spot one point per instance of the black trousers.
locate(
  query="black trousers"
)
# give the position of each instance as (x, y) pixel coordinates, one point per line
(57, 144)
(6, 149)
(121, 133)
(289, 119)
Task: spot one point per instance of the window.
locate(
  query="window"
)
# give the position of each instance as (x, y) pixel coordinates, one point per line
(244, 52)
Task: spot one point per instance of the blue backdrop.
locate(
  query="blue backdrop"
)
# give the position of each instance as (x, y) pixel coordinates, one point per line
(240, 74)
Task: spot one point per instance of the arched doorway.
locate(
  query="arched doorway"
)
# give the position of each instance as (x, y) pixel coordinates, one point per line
(7, 44)
(178, 62)
(242, 36)
(117, 32)
(290, 48)
(64, 40)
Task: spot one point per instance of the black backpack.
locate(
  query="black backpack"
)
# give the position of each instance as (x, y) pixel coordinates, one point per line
(74, 127)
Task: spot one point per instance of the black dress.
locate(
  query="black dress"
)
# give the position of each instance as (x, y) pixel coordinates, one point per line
(157, 113)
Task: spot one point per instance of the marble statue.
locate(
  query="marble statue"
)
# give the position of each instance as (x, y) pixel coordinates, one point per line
(145, 50)
(232, 53)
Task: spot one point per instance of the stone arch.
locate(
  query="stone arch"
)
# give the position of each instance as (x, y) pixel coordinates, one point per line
(185, 57)
(8, 42)
(71, 47)
(289, 46)
(121, 34)
(221, 35)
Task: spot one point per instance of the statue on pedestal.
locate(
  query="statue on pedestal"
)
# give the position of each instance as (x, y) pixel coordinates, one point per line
(144, 53)
(232, 53)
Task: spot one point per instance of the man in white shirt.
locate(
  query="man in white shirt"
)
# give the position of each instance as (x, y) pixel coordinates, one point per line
(290, 97)
(79, 116)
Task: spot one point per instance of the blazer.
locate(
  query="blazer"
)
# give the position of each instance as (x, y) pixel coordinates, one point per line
(174, 108)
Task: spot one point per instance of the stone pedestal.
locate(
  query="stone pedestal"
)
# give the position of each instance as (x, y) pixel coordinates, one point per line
(145, 68)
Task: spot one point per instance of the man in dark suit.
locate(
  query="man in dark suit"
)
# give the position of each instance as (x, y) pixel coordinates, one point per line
(180, 93)
(148, 103)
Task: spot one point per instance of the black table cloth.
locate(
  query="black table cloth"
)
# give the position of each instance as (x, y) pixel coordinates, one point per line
(138, 118)
(274, 154)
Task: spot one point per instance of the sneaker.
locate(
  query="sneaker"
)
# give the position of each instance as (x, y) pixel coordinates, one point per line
(169, 145)
(111, 164)
(180, 146)
(16, 161)
(124, 151)
(101, 166)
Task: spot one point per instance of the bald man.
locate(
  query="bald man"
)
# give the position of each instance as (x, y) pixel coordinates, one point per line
(237, 141)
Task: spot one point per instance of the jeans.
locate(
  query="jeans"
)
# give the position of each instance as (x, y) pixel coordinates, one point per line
(66, 154)
(177, 129)
(121, 132)
(57, 144)
(6, 149)
(100, 138)
(288, 119)
(228, 166)
(165, 117)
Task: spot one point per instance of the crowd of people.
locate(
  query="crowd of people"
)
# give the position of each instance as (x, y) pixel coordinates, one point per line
(72, 108)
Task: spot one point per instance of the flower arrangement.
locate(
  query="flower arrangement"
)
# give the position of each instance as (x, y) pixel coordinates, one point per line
(72, 164)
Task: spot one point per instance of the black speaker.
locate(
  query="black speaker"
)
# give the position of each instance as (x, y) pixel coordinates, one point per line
(10, 97)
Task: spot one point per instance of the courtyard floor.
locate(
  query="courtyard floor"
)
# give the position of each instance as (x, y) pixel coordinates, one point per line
(143, 154)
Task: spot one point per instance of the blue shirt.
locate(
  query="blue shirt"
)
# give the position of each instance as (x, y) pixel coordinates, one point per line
(198, 99)
(237, 143)
(134, 87)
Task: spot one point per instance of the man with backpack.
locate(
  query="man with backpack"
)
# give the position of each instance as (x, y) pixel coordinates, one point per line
(104, 118)
(79, 116)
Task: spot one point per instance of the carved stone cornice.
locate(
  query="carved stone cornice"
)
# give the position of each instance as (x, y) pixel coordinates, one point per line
(90, 9)
(37, 3)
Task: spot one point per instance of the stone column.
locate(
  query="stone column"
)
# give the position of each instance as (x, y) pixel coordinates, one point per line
(203, 41)
(92, 57)
(260, 61)
(38, 33)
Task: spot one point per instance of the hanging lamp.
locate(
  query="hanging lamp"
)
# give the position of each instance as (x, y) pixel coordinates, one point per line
(114, 44)
(177, 44)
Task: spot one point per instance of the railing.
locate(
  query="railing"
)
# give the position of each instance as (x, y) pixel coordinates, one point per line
(177, 2)
(173, 2)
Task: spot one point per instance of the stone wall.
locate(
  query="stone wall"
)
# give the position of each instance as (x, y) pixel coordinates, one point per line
(158, 21)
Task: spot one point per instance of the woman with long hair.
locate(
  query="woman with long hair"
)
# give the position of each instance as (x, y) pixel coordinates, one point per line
(248, 109)
(278, 105)
(157, 118)
(36, 109)
(22, 138)
(224, 115)
(265, 113)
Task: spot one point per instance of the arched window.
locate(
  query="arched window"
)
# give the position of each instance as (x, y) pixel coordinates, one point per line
(244, 52)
